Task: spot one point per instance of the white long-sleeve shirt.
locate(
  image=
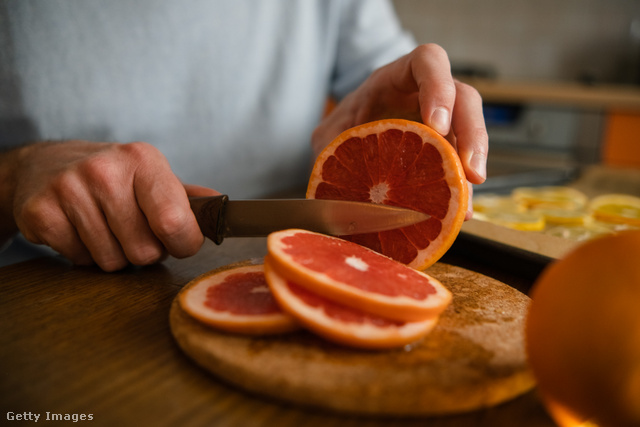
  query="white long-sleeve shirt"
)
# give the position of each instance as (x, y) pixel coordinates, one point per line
(229, 91)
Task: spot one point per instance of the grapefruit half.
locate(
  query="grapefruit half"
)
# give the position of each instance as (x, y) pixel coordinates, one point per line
(339, 323)
(355, 276)
(236, 299)
(400, 163)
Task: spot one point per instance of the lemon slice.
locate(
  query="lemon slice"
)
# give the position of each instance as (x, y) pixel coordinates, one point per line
(525, 221)
(617, 209)
(613, 227)
(495, 202)
(578, 233)
(550, 197)
(564, 216)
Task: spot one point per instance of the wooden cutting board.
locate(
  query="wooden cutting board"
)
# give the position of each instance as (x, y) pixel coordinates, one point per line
(473, 359)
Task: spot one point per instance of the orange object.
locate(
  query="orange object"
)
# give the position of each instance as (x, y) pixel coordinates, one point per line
(622, 140)
(583, 333)
(236, 298)
(401, 163)
(342, 324)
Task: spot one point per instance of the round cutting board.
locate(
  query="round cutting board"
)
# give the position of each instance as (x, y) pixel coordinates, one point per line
(474, 358)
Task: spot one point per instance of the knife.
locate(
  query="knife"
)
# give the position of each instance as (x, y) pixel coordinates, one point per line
(220, 217)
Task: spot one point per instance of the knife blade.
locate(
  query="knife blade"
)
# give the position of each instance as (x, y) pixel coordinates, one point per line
(220, 217)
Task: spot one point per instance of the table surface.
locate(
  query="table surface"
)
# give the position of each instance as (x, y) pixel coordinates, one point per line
(76, 340)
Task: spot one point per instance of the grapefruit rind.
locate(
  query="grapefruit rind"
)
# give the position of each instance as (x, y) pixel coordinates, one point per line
(363, 335)
(454, 176)
(194, 294)
(400, 307)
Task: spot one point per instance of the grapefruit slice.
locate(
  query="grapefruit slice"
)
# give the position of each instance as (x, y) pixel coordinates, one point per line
(399, 163)
(355, 276)
(236, 298)
(341, 324)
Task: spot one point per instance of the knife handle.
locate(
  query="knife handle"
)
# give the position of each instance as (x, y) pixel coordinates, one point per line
(209, 212)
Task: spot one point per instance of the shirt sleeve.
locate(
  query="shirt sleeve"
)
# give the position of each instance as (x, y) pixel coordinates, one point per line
(370, 37)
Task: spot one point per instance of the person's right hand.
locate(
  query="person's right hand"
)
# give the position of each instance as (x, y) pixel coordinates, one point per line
(107, 203)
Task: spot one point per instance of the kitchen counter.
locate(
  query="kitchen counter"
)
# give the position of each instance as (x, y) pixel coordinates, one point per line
(605, 97)
(77, 340)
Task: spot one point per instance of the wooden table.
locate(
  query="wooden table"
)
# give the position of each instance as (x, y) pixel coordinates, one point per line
(80, 341)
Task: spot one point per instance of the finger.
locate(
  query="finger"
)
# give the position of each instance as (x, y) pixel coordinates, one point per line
(163, 200)
(91, 226)
(43, 222)
(427, 70)
(199, 191)
(471, 133)
(131, 229)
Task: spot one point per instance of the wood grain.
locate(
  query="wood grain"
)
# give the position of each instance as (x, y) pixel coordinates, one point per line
(78, 340)
(473, 359)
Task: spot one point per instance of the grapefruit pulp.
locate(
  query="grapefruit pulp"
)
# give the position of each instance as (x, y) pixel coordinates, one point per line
(236, 299)
(400, 163)
(356, 276)
(339, 323)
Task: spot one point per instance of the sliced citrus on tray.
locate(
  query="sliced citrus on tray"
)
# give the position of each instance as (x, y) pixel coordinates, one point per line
(495, 202)
(617, 209)
(355, 276)
(237, 299)
(400, 163)
(339, 323)
(550, 197)
(578, 233)
(525, 221)
(563, 216)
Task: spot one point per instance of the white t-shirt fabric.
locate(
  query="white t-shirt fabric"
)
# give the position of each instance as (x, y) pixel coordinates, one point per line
(228, 91)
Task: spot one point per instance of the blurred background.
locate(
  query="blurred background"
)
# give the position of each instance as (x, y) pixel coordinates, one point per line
(560, 80)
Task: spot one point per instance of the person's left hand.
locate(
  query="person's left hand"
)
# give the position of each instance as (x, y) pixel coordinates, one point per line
(418, 86)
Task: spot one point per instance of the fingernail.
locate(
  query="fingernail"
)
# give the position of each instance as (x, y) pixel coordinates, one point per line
(440, 120)
(478, 163)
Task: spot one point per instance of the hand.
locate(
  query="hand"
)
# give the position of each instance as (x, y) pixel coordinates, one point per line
(106, 203)
(419, 87)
